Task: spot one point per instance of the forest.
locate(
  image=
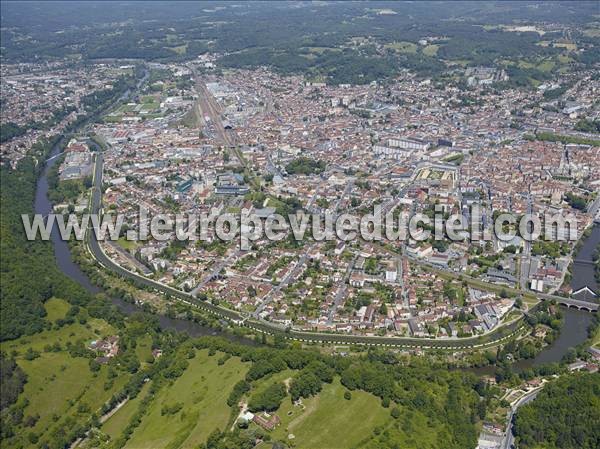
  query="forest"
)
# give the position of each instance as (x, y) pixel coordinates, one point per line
(565, 414)
(28, 272)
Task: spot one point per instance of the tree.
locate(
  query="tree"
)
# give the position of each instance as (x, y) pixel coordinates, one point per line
(565, 414)
(268, 400)
(94, 366)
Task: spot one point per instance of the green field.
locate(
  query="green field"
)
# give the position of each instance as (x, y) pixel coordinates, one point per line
(58, 384)
(596, 340)
(202, 390)
(128, 245)
(61, 390)
(431, 50)
(143, 348)
(180, 50)
(403, 47)
(263, 383)
(114, 425)
(348, 422)
(57, 308)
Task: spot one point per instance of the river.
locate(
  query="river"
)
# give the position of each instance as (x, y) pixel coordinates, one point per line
(583, 266)
(66, 264)
(576, 322)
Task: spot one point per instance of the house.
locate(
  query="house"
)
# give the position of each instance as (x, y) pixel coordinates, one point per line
(106, 349)
(577, 366)
(109, 347)
(266, 421)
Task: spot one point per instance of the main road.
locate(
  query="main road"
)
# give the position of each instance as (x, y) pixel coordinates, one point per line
(508, 441)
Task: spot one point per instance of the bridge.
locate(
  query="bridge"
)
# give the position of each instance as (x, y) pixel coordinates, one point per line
(570, 302)
(565, 301)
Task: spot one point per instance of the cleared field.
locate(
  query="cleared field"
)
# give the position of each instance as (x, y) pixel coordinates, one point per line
(143, 348)
(92, 330)
(403, 47)
(180, 50)
(61, 390)
(592, 32)
(596, 340)
(60, 387)
(56, 309)
(202, 392)
(348, 422)
(321, 50)
(431, 50)
(128, 245)
(261, 385)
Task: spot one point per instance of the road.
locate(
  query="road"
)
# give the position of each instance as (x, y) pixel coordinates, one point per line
(526, 256)
(509, 438)
(594, 208)
(339, 295)
(209, 104)
(290, 276)
(569, 302)
(214, 272)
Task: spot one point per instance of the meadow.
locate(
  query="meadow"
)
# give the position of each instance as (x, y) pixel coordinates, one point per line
(202, 393)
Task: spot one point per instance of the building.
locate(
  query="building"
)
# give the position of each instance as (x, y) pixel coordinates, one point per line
(231, 184)
(266, 421)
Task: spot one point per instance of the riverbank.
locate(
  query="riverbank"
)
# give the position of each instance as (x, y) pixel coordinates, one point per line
(583, 265)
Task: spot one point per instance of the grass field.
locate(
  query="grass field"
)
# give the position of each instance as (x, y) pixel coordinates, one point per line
(321, 50)
(128, 245)
(262, 384)
(592, 32)
(348, 422)
(431, 50)
(143, 348)
(60, 387)
(403, 47)
(596, 340)
(57, 308)
(117, 422)
(180, 50)
(202, 390)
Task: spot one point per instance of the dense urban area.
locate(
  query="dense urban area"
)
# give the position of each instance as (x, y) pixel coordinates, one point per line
(469, 110)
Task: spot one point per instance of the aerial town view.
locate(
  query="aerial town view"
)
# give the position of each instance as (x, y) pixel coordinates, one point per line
(321, 225)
